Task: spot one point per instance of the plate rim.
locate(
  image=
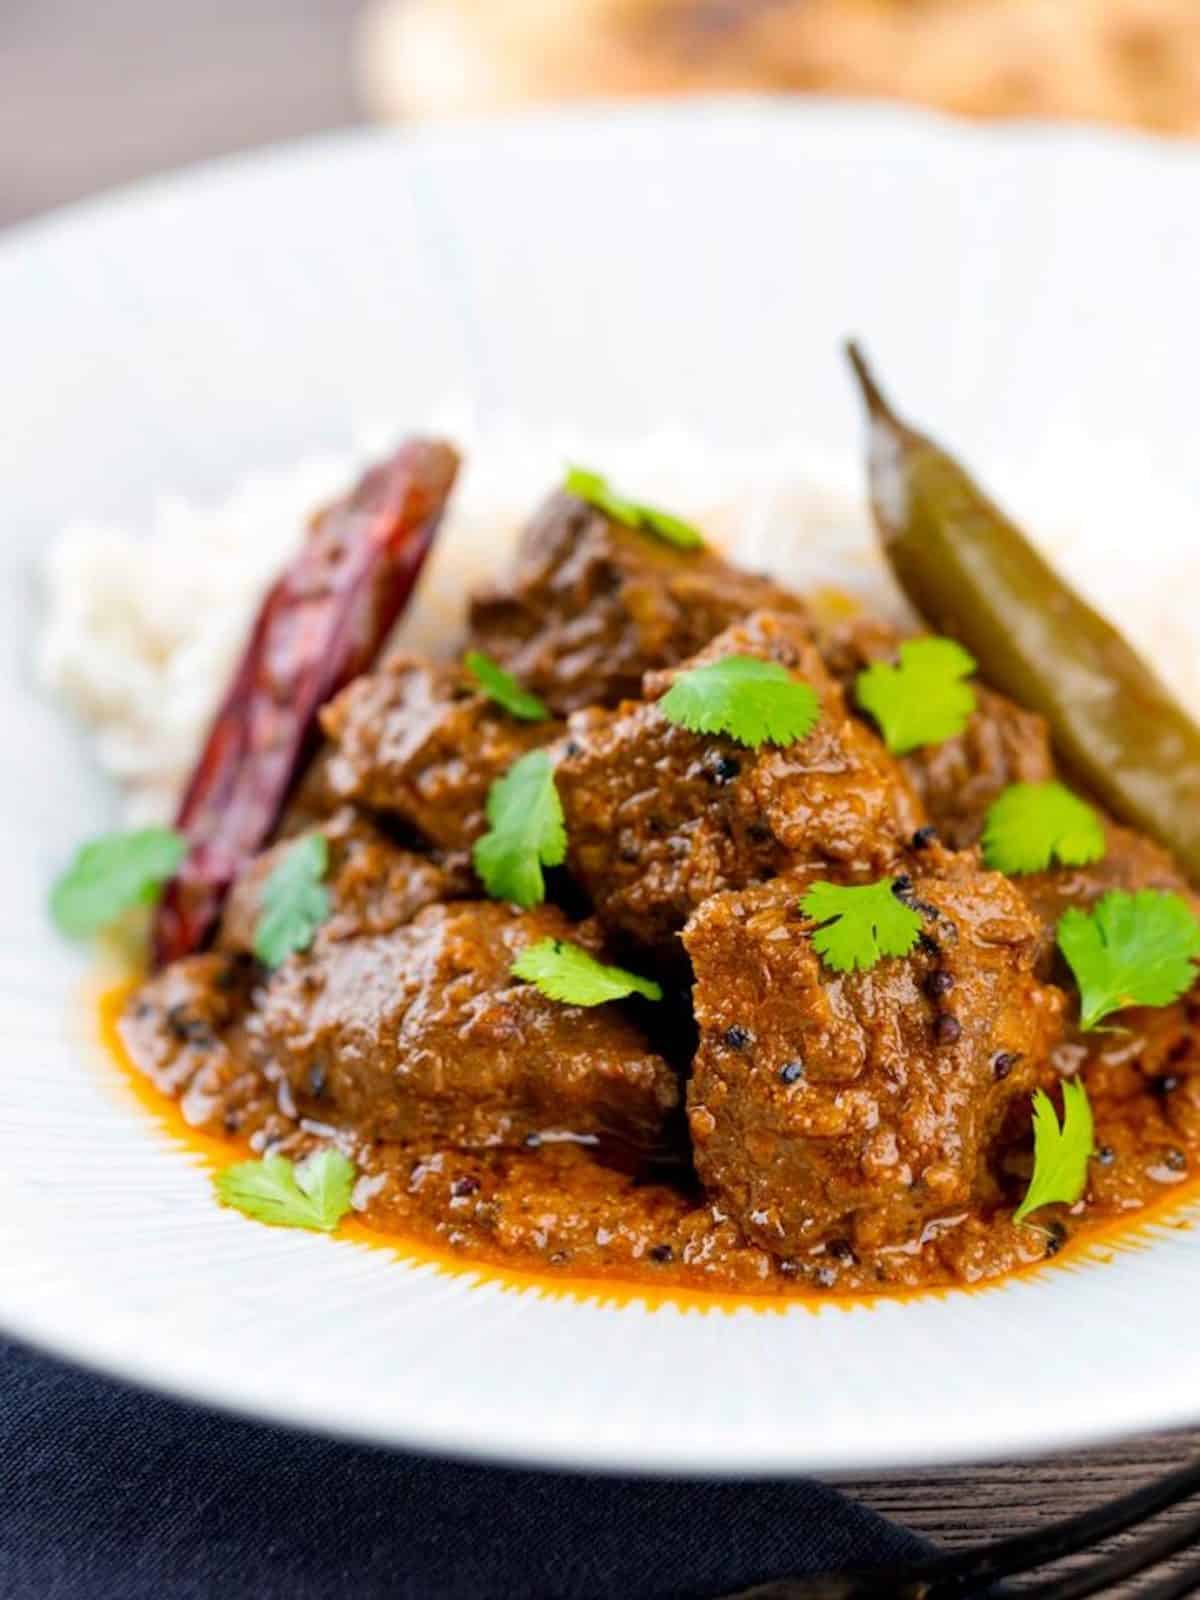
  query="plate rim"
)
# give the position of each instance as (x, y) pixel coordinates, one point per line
(846, 116)
(188, 1380)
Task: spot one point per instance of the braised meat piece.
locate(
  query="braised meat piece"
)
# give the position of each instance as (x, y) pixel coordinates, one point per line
(182, 1028)
(1130, 862)
(313, 800)
(374, 886)
(849, 1109)
(594, 605)
(185, 1028)
(959, 778)
(861, 1130)
(659, 818)
(423, 1034)
(1149, 1041)
(416, 741)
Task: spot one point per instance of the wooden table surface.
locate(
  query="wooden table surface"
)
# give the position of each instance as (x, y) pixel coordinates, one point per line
(92, 94)
(959, 1506)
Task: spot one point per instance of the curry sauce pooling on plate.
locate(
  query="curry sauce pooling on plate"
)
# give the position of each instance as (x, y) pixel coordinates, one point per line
(664, 933)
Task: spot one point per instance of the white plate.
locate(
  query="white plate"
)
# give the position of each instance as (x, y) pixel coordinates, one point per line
(1031, 292)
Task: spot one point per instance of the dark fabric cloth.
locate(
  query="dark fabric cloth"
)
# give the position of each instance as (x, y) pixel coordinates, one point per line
(108, 1493)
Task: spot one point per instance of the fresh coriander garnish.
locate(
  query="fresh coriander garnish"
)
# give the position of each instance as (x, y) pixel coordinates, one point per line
(596, 490)
(111, 875)
(755, 702)
(314, 1194)
(860, 924)
(563, 971)
(503, 688)
(1130, 950)
(1060, 1154)
(527, 832)
(923, 700)
(295, 902)
(1031, 825)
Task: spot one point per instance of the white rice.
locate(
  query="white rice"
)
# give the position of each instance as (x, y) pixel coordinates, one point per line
(144, 625)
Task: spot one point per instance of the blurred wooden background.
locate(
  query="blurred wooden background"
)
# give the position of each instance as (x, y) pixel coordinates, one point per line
(96, 92)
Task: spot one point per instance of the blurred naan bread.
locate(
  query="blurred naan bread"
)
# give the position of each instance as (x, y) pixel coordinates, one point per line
(1126, 61)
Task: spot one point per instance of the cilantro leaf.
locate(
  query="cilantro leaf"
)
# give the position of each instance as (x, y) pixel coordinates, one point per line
(923, 699)
(1130, 950)
(596, 490)
(294, 901)
(113, 874)
(504, 688)
(1060, 1154)
(563, 971)
(755, 702)
(859, 925)
(527, 832)
(314, 1194)
(1031, 825)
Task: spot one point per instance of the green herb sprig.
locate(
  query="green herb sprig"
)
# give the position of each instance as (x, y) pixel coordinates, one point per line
(527, 832)
(113, 874)
(598, 492)
(923, 699)
(504, 689)
(315, 1194)
(563, 971)
(1130, 950)
(755, 702)
(295, 902)
(858, 925)
(1032, 825)
(1060, 1153)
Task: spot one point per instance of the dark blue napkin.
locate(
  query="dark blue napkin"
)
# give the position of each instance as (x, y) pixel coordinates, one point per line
(108, 1493)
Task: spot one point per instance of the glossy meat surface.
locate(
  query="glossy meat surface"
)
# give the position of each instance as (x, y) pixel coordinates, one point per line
(374, 886)
(830, 1108)
(1130, 862)
(659, 819)
(844, 1132)
(413, 739)
(1146, 1041)
(592, 606)
(182, 1028)
(424, 1034)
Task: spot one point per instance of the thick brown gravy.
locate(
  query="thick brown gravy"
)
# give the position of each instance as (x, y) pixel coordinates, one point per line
(423, 1220)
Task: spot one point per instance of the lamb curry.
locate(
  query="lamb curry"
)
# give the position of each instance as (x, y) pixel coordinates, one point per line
(667, 930)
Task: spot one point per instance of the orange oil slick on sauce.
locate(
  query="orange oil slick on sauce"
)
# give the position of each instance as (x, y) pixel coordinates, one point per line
(104, 1001)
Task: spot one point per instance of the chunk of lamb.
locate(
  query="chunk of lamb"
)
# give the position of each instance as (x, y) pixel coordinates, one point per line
(1003, 744)
(374, 885)
(1150, 1040)
(593, 605)
(1130, 862)
(959, 778)
(183, 1029)
(659, 818)
(832, 1109)
(423, 1035)
(416, 741)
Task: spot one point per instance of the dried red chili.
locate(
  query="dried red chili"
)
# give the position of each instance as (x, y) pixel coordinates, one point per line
(322, 623)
